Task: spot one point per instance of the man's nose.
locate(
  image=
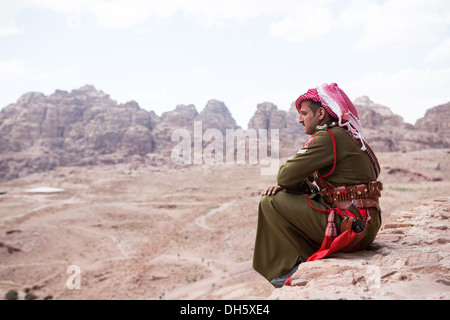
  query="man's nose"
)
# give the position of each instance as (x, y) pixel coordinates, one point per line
(300, 119)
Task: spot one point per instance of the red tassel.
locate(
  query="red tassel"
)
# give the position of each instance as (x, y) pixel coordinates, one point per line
(330, 231)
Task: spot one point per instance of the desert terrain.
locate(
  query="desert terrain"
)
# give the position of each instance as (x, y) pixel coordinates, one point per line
(137, 231)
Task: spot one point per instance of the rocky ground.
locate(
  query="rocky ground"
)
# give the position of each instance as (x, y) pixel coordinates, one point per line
(133, 231)
(409, 260)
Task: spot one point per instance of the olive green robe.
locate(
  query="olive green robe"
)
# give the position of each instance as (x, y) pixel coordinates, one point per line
(289, 230)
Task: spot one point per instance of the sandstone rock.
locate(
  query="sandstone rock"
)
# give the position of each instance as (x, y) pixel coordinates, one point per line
(216, 115)
(39, 133)
(267, 116)
(387, 132)
(182, 117)
(412, 262)
(384, 131)
(86, 127)
(436, 119)
(373, 115)
(436, 123)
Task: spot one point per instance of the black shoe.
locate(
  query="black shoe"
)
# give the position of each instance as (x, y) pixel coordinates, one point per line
(281, 281)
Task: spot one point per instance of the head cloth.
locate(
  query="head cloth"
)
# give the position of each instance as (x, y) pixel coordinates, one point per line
(338, 105)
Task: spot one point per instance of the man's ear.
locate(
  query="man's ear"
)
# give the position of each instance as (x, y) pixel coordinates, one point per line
(322, 113)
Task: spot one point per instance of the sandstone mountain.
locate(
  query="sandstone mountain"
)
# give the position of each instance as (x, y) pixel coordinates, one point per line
(267, 116)
(436, 120)
(86, 127)
(386, 131)
(215, 115)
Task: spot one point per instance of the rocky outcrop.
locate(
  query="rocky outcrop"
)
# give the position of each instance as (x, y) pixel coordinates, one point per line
(384, 130)
(86, 127)
(182, 117)
(387, 132)
(82, 127)
(374, 115)
(215, 115)
(409, 259)
(436, 120)
(268, 116)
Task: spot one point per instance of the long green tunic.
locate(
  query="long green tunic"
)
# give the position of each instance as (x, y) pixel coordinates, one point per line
(289, 230)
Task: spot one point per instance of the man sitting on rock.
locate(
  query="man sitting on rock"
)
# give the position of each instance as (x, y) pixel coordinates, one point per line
(298, 222)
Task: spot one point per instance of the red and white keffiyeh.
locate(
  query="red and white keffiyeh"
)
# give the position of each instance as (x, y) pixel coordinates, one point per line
(338, 105)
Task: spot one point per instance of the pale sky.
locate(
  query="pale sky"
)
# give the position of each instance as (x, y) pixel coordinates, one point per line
(241, 52)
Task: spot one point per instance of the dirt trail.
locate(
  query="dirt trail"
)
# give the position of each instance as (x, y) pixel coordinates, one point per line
(201, 221)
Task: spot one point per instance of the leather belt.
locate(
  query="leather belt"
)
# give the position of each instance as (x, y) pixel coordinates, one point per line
(362, 195)
(360, 203)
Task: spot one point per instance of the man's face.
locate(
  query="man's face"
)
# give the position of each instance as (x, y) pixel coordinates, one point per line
(308, 119)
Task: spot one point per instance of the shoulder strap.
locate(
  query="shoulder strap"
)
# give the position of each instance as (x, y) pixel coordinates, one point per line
(374, 164)
(320, 178)
(373, 161)
(333, 141)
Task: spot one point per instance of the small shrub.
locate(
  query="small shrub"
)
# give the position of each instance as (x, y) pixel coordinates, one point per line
(11, 295)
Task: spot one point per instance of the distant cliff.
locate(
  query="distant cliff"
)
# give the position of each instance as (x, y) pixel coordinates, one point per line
(86, 127)
(267, 116)
(386, 131)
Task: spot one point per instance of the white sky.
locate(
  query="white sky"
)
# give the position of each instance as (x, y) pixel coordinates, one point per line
(241, 52)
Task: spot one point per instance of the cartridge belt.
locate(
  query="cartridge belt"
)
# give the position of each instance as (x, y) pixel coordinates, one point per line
(362, 195)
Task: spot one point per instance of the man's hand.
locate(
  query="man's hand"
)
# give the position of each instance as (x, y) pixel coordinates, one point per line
(272, 190)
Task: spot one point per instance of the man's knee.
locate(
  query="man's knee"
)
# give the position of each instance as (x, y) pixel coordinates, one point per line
(269, 202)
(264, 202)
(268, 208)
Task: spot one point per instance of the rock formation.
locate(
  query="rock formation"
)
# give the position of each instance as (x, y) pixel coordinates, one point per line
(182, 117)
(410, 259)
(215, 115)
(86, 127)
(82, 127)
(385, 131)
(268, 116)
(374, 115)
(388, 132)
(436, 120)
